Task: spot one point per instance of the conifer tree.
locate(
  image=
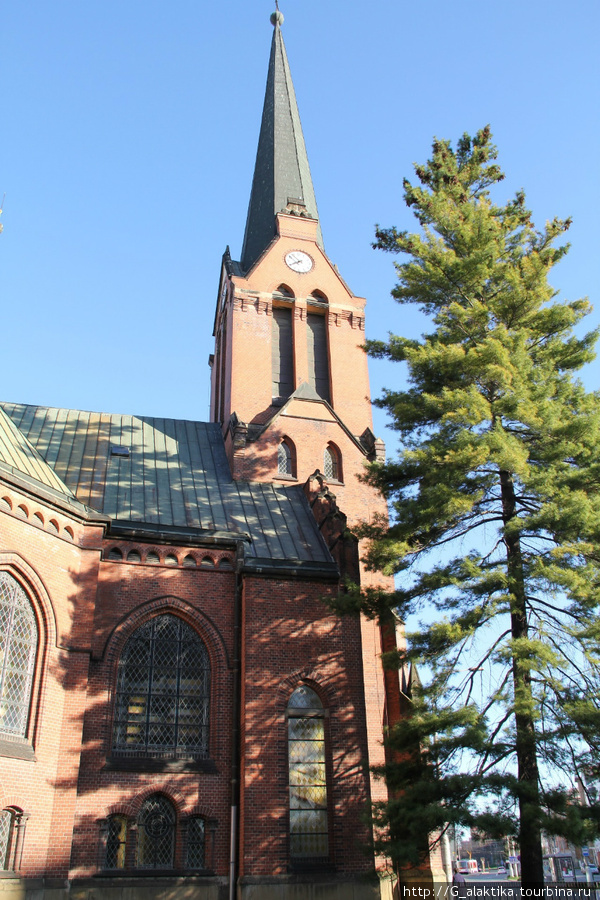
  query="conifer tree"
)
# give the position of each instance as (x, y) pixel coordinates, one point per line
(494, 518)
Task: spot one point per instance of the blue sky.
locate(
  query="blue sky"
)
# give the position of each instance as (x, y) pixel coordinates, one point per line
(128, 135)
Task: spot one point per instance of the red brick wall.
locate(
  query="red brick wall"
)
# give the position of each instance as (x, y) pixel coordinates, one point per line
(58, 570)
(128, 595)
(290, 637)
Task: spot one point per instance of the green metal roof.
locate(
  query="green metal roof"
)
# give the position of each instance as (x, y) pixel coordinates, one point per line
(165, 473)
(281, 171)
(19, 455)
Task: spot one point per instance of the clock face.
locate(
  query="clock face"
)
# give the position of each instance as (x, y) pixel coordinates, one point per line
(298, 261)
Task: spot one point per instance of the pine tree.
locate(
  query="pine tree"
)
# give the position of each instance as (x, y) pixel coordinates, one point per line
(494, 516)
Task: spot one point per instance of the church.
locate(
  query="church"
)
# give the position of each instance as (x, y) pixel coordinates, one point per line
(181, 712)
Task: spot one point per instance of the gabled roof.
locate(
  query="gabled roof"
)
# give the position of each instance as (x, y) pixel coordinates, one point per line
(281, 172)
(166, 474)
(305, 391)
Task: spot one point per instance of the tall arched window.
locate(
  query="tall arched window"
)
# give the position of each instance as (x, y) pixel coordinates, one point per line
(332, 467)
(286, 458)
(18, 643)
(156, 834)
(282, 352)
(318, 354)
(309, 832)
(163, 692)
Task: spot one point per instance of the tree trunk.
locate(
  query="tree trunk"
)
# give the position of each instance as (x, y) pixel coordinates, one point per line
(530, 835)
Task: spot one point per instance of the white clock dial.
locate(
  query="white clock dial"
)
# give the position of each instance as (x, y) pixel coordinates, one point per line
(298, 261)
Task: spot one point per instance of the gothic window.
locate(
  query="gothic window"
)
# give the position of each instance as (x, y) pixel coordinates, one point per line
(332, 468)
(18, 642)
(195, 843)
(163, 688)
(282, 353)
(318, 354)
(116, 842)
(156, 834)
(286, 459)
(309, 832)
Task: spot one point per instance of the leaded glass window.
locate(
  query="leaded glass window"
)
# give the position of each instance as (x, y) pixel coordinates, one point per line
(116, 842)
(18, 642)
(331, 464)
(163, 692)
(285, 459)
(6, 835)
(195, 845)
(156, 834)
(309, 832)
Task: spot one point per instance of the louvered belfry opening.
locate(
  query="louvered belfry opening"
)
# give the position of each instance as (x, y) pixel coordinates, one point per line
(282, 353)
(163, 692)
(318, 355)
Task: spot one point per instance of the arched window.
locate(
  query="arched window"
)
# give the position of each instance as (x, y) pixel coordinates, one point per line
(12, 821)
(332, 467)
(309, 832)
(116, 842)
(18, 642)
(163, 692)
(195, 848)
(156, 834)
(6, 838)
(286, 463)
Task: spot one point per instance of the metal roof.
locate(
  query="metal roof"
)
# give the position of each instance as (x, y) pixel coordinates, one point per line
(281, 171)
(19, 455)
(166, 473)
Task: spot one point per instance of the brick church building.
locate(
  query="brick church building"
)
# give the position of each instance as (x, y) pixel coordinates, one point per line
(180, 712)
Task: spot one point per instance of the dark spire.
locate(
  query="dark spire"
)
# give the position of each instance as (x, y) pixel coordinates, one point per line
(281, 172)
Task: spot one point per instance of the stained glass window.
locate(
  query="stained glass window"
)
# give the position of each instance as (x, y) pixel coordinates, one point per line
(309, 833)
(156, 834)
(195, 844)
(18, 642)
(163, 692)
(116, 842)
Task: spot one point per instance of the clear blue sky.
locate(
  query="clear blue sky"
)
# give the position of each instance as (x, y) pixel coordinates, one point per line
(127, 142)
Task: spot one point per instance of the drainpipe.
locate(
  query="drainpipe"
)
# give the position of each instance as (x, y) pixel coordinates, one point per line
(235, 724)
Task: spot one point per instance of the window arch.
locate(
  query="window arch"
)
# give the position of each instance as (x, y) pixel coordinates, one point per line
(163, 692)
(18, 643)
(286, 458)
(156, 833)
(309, 829)
(332, 463)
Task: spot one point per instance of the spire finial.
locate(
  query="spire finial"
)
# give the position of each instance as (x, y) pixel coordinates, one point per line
(277, 16)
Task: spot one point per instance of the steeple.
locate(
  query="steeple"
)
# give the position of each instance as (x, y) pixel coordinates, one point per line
(282, 180)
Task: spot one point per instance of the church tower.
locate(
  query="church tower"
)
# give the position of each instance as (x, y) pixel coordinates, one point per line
(290, 384)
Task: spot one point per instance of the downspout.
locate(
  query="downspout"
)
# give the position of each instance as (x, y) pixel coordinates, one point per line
(235, 723)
